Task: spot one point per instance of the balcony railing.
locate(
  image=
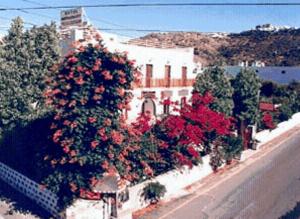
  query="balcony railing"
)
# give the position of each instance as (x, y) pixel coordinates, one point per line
(150, 83)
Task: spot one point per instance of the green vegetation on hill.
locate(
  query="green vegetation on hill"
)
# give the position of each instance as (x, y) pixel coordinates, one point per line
(275, 48)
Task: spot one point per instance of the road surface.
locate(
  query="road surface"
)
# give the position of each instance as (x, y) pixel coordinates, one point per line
(265, 186)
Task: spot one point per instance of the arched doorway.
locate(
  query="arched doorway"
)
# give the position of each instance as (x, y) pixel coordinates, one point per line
(149, 106)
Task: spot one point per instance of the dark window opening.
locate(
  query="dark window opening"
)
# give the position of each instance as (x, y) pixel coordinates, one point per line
(168, 75)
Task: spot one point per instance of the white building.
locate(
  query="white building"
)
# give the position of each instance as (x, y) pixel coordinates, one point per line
(168, 73)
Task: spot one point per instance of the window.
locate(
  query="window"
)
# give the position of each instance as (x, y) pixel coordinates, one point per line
(168, 75)
(184, 75)
(149, 74)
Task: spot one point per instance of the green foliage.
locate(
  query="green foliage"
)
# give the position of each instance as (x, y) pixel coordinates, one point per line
(268, 89)
(216, 156)
(294, 96)
(153, 192)
(214, 80)
(232, 147)
(285, 113)
(25, 57)
(225, 150)
(246, 96)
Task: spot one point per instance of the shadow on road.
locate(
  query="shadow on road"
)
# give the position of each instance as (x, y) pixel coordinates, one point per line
(20, 203)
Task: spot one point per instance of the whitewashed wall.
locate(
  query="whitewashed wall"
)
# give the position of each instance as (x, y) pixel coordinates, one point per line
(175, 57)
(43, 197)
(158, 57)
(137, 101)
(175, 182)
(267, 135)
(86, 209)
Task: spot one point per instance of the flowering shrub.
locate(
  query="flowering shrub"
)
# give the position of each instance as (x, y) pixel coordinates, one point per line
(88, 92)
(191, 132)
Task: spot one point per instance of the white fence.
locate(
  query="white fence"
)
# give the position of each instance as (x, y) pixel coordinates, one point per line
(43, 197)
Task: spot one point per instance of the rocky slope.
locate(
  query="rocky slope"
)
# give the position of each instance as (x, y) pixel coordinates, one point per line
(272, 45)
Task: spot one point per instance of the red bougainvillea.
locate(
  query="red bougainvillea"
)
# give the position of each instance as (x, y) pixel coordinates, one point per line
(188, 134)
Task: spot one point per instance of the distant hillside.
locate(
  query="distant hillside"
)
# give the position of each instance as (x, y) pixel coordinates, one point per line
(274, 46)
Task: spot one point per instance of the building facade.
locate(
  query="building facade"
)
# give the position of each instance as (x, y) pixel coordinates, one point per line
(167, 73)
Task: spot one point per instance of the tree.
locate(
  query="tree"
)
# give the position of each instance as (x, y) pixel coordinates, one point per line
(215, 81)
(44, 50)
(88, 92)
(246, 98)
(25, 57)
(14, 102)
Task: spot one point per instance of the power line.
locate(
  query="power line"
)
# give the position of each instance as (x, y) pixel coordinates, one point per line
(93, 19)
(106, 22)
(33, 2)
(154, 5)
(90, 18)
(8, 19)
(35, 13)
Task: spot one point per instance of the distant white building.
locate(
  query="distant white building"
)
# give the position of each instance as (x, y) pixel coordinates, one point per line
(168, 73)
(270, 27)
(255, 63)
(258, 63)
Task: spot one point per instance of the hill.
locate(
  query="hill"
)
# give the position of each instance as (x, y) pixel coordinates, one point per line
(272, 45)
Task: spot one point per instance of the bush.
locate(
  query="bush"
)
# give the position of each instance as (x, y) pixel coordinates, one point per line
(232, 147)
(216, 157)
(153, 192)
(285, 113)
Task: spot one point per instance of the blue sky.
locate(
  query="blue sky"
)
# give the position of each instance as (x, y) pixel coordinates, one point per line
(205, 19)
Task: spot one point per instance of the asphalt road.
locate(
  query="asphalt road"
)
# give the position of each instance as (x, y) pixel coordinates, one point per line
(265, 186)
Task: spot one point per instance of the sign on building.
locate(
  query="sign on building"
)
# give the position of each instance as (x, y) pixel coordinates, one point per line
(71, 18)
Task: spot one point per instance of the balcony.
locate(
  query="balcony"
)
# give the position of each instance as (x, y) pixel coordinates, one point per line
(152, 83)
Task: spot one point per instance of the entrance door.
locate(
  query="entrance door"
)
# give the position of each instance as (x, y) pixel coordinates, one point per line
(149, 107)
